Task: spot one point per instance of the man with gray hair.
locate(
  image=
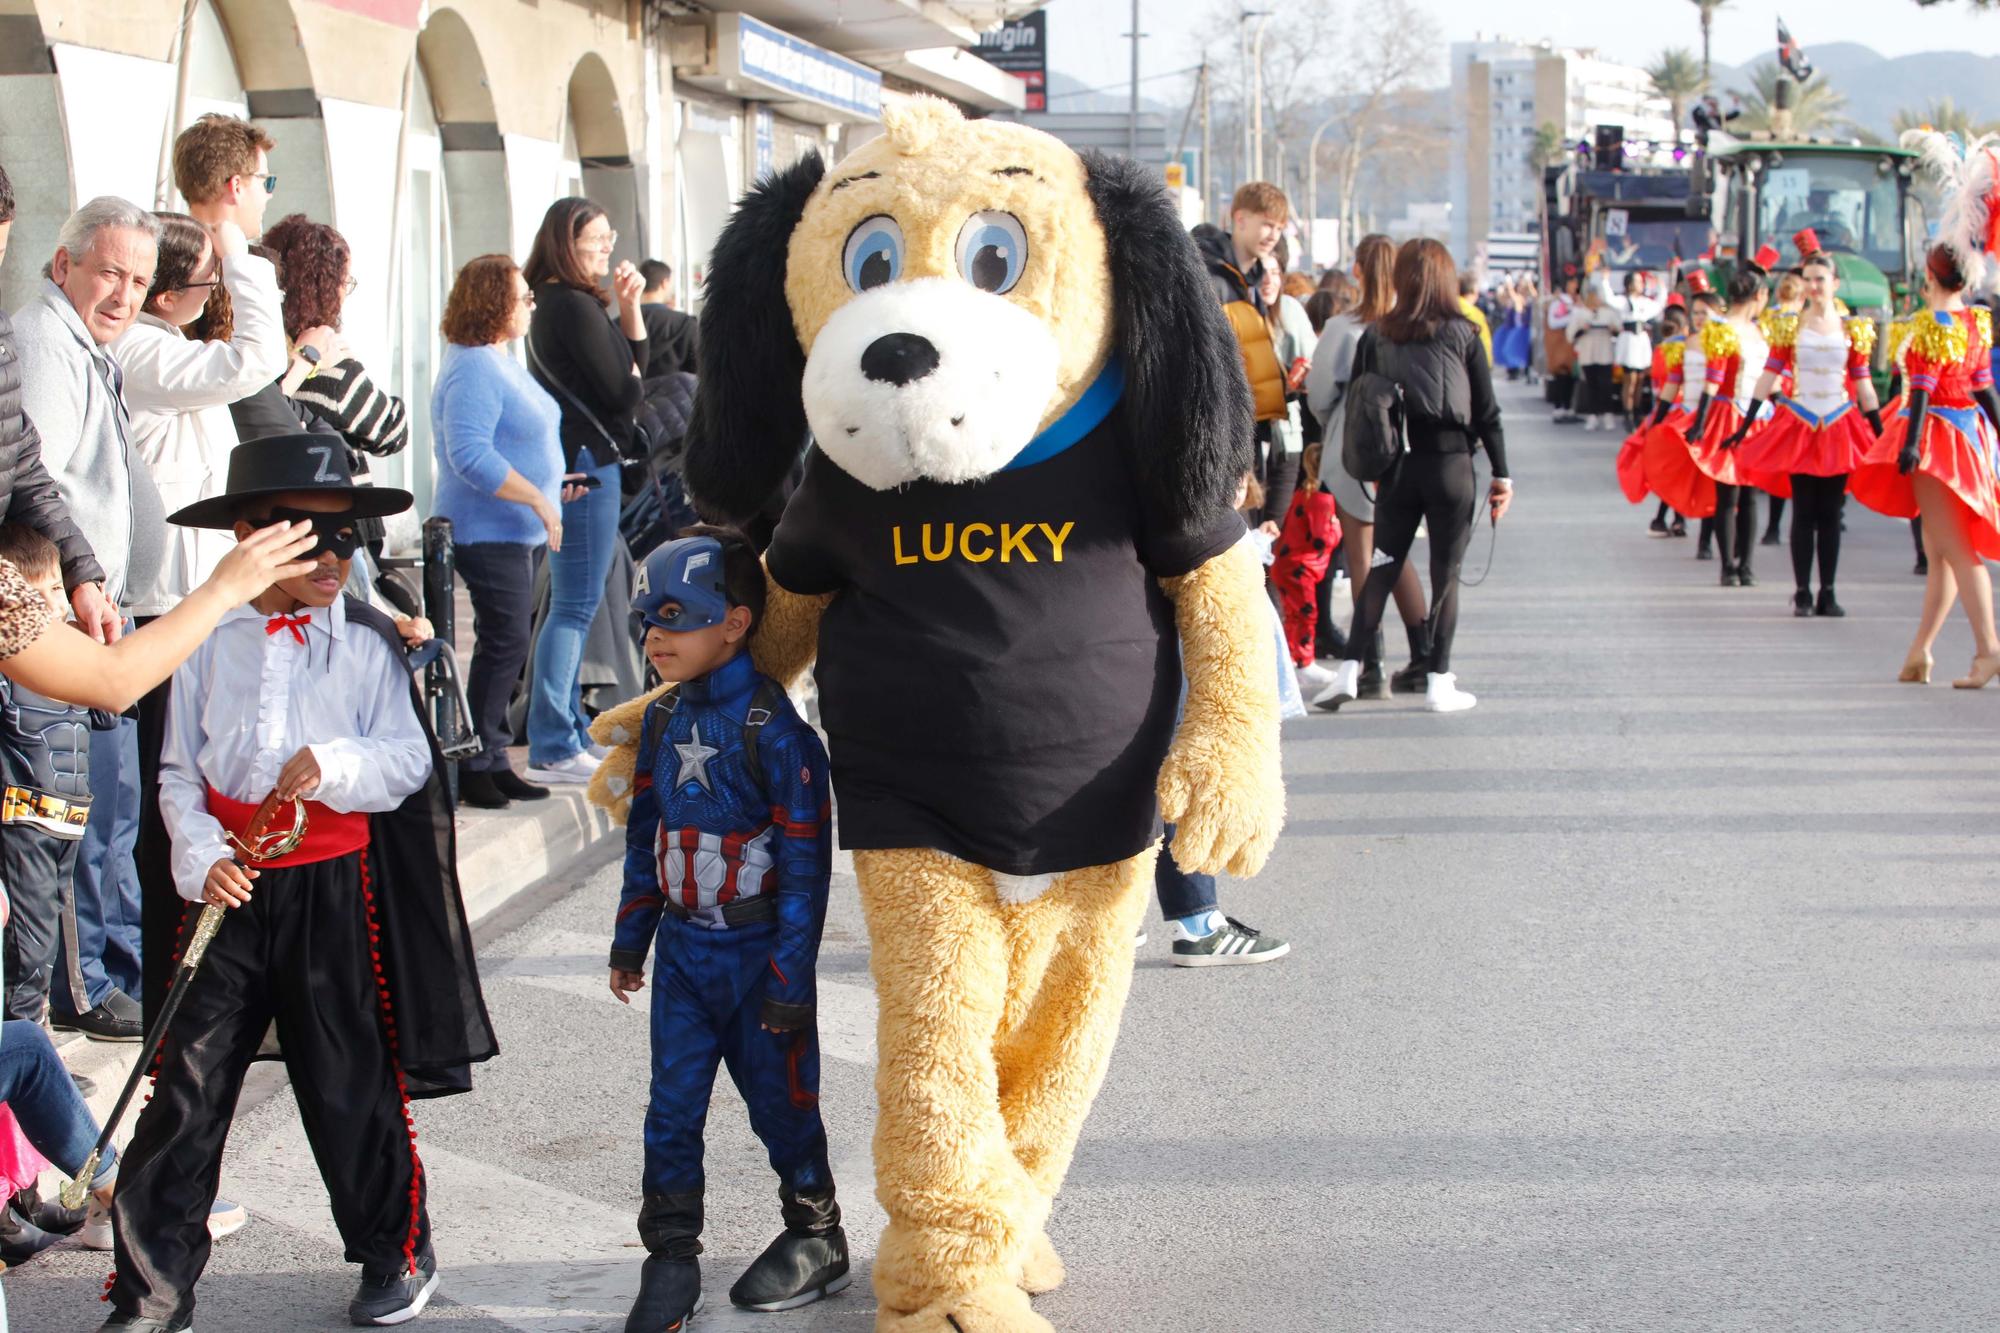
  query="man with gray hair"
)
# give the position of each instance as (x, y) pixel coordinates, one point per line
(95, 286)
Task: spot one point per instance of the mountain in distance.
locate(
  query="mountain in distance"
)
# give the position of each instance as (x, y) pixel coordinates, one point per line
(1878, 86)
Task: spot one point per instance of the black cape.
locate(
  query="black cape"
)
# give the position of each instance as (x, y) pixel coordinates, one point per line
(442, 1025)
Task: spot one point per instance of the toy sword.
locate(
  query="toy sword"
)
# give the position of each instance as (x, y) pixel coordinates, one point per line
(257, 844)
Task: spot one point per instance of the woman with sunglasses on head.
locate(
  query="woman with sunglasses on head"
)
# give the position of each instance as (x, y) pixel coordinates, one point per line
(178, 389)
(587, 346)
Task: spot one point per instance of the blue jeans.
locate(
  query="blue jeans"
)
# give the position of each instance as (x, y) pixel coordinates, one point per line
(1180, 893)
(45, 1101)
(557, 727)
(107, 881)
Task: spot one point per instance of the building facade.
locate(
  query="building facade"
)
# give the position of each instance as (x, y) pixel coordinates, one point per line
(1503, 95)
(429, 133)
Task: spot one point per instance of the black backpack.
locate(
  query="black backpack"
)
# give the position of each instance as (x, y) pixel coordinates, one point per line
(1374, 436)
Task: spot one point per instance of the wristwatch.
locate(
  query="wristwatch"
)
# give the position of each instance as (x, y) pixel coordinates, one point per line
(310, 355)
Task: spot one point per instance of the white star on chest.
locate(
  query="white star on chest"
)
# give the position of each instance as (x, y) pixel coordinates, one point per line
(694, 760)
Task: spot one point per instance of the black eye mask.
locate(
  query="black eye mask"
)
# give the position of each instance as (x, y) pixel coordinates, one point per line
(336, 532)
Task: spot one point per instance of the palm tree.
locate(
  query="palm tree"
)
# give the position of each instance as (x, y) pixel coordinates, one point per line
(1707, 8)
(1817, 106)
(1944, 115)
(1677, 78)
(1549, 146)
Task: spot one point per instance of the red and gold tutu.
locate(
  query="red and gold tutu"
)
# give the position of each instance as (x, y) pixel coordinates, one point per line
(1671, 472)
(1727, 467)
(1958, 448)
(1631, 467)
(1796, 441)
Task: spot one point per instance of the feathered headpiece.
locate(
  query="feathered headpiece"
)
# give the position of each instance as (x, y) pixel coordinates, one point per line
(1968, 176)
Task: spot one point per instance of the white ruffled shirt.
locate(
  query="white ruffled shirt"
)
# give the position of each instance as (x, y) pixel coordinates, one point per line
(343, 693)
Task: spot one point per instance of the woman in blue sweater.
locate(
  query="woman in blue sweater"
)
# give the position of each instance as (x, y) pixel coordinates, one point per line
(499, 481)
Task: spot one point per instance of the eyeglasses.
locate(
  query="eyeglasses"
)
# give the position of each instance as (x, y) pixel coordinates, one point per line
(270, 182)
(190, 286)
(527, 299)
(609, 242)
(349, 287)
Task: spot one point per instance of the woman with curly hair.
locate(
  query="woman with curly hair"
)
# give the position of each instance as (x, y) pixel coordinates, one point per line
(499, 480)
(331, 386)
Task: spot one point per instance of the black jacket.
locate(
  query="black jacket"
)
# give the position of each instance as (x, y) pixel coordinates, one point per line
(28, 494)
(671, 342)
(1218, 256)
(1447, 388)
(580, 355)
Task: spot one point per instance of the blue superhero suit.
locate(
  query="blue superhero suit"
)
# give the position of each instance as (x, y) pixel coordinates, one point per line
(726, 874)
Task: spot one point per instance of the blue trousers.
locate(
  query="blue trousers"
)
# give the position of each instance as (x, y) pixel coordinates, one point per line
(107, 881)
(557, 726)
(708, 989)
(1180, 892)
(45, 1101)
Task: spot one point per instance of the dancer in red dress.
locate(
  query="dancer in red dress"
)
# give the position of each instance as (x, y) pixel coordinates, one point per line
(1631, 464)
(1669, 469)
(1728, 345)
(1936, 458)
(1825, 422)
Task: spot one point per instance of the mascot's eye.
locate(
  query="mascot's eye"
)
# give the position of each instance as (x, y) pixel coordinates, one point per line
(874, 253)
(992, 251)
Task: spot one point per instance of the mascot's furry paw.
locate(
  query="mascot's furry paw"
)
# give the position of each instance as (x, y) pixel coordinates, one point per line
(611, 786)
(1041, 1267)
(1222, 785)
(787, 637)
(987, 1310)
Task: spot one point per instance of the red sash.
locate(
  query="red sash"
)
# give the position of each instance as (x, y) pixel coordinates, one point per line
(329, 833)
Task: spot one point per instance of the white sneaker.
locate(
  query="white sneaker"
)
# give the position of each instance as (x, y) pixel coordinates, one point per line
(574, 770)
(1140, 941)
(226, 1219)
(1343, 688)
(1313, 678)
(95, 1234)
(1442, 694)
(598, 752)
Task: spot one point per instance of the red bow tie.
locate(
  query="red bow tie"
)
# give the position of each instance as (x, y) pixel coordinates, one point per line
(282, 621)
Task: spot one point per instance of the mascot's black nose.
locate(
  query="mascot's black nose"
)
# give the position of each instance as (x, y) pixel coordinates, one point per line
(899, 358)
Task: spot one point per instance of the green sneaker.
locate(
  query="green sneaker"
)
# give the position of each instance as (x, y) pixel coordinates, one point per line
(1229, 944)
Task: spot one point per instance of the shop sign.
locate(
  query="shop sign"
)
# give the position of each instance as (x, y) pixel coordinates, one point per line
(782, 61)
(1021, 47)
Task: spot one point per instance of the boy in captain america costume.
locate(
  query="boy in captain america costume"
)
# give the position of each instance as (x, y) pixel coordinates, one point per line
(728, 849)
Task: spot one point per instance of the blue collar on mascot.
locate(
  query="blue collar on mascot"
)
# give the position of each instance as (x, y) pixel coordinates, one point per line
(1085, 415)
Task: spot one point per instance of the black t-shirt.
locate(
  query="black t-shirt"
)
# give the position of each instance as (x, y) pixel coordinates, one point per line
(999, 672)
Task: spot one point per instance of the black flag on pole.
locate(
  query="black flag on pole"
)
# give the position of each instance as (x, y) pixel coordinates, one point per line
(1792, 56)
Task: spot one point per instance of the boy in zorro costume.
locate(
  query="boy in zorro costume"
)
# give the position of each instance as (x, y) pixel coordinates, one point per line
(727, 856)
(354, 941)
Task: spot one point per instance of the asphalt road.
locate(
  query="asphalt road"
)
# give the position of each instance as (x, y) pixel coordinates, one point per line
(1659, 992)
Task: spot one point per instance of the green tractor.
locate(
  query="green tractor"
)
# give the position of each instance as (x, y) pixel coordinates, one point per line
(1859, 200)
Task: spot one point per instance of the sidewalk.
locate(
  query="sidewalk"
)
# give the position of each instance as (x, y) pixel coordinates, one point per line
(504, 857)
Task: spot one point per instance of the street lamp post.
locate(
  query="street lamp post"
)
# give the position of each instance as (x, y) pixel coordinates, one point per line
(1312, 191)
(1257, 97)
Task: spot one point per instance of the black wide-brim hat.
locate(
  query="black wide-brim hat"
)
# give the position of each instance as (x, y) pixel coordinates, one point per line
(283, 464)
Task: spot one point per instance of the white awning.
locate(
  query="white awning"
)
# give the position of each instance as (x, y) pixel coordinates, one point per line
(955, 73)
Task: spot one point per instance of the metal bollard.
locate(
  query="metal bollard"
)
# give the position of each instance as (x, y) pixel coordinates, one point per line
(440, 608)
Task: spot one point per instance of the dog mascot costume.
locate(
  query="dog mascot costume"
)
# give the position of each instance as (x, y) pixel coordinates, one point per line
(1012, 533)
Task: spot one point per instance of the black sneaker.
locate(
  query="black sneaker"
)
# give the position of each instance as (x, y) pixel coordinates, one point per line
(1657, 528)
(1744, 578)
(1826, 606)
(1730, 580)
(1802, 603)
(669, 1296)
(1702, 552)
(1679, 529)
(139, 1323)
(396, 1298)
(1230, 944)
(794, 1270)
(1923, 566)
(1774, 538)
(119, 1018)
(512, 784)
(1412, 679)
(481, 792)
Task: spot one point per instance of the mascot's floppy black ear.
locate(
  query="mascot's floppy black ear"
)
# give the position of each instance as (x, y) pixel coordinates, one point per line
(1187, 402)
(749, 422)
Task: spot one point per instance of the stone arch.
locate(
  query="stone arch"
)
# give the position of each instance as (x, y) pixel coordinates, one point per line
(270, 53)
(596, 124)
(474, 161)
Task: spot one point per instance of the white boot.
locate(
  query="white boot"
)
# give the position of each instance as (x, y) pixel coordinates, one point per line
(1313, 678)
(1346, 684)
(1442, 695)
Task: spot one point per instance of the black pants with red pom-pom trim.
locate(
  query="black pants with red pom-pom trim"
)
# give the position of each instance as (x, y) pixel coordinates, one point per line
(299, 954)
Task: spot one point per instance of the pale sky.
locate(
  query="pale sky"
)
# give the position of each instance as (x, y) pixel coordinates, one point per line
(1086, 36)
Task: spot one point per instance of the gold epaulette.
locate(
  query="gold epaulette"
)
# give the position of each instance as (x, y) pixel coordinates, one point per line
(1779, 330)
(1939, 338)
(1674, 351)
(1861, 334)
(1719, 341)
